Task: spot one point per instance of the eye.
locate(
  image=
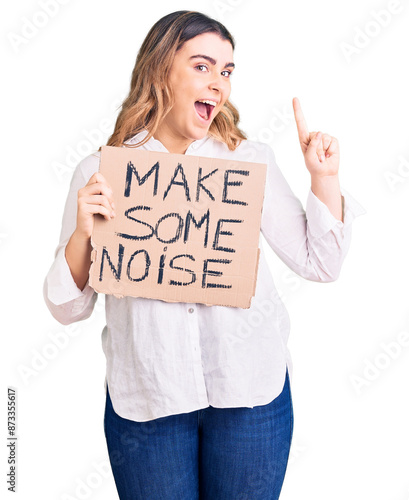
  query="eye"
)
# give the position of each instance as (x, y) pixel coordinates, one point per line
(228, 73)
(199, 66)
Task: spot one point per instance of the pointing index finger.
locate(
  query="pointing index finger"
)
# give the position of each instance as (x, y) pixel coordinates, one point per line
(300, 121)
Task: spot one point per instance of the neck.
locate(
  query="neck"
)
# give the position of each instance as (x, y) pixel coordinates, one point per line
(171, 142)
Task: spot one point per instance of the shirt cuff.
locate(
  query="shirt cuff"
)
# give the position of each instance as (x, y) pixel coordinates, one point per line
(321, 220)
(61, 287)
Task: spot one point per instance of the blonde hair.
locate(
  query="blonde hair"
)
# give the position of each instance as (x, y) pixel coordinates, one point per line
(150, 99)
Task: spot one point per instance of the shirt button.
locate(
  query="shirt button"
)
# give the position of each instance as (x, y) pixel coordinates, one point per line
(190, 309)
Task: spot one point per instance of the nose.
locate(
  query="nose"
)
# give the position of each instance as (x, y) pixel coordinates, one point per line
(216, 82)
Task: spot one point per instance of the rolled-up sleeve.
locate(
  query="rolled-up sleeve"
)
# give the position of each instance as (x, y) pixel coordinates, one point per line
(66, 302)
(312, 242)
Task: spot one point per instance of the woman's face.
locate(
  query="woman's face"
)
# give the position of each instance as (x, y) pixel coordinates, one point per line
(200, 72)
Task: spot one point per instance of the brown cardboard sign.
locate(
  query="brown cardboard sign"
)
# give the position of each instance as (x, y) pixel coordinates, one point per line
(186, 228)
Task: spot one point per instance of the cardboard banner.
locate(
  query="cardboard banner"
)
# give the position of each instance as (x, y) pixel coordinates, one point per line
(186, 228)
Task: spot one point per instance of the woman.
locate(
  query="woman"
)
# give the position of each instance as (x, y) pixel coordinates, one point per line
(198, 401)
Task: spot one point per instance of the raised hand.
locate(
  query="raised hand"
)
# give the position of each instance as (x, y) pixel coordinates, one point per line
(321, 151)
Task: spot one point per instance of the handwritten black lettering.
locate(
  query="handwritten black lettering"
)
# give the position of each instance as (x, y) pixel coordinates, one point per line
(116, 271)
(178, 169)
(200, 185)
(190, 217)
(211, 272)
(233, 183)
(179, 229)
(130, 169)
(147, 264)
(161, 266)
(172, 266)
(218, 232)
(135, 237)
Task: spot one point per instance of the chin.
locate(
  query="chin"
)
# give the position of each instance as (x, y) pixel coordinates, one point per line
(199, 133)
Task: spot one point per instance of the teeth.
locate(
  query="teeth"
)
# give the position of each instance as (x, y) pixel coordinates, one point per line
(212, 103)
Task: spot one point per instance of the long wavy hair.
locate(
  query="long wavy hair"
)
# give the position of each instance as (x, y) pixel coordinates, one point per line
(150, 98)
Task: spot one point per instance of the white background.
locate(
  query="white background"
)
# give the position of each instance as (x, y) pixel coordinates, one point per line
(60, 90)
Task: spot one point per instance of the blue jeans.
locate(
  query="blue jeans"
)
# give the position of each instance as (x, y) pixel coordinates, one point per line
(207, 454)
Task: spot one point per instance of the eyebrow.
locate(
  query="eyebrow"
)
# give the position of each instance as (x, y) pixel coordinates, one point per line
(211, 60)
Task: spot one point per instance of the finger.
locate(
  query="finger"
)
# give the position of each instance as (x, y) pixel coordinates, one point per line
(100, 210)
(300, 122)
(315, 147)
(97, 199)
(95, 189)
(320, 150)
(333, 147)
(87, 202)
(326, 141)
(322, 146)
(97, 177)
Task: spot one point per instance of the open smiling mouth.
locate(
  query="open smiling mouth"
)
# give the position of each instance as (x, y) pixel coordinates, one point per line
(204, 108)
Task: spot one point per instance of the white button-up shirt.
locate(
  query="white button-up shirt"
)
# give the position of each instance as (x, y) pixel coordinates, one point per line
(166, 358)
